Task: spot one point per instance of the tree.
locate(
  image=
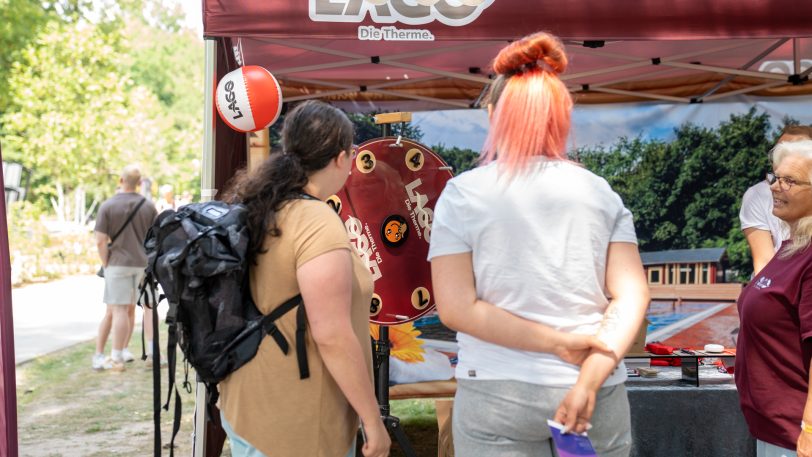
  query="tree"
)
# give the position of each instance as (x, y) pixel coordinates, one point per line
(20, 22)
(76, 116)
(365, 129)
(168, 61)
(687, 193)
(460, 159)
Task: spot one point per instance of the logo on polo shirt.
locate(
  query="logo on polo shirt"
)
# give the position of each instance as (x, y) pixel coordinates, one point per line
(763, 283)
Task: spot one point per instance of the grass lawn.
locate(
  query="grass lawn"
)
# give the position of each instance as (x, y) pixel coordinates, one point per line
(66, 409)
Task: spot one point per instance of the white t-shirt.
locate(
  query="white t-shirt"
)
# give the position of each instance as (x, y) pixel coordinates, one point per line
(539, 245)
(757, 212)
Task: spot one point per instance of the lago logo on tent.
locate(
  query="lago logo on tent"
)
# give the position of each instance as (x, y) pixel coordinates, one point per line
(413, 12)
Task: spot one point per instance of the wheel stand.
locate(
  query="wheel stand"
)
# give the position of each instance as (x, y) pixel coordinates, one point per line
(380, 351)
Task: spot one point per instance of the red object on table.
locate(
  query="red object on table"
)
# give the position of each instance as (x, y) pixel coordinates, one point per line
(662, 349)
(659, 349)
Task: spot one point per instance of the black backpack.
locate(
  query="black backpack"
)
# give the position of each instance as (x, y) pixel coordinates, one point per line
(198, 256)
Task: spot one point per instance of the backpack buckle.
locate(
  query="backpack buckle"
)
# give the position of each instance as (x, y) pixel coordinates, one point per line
(273, 330)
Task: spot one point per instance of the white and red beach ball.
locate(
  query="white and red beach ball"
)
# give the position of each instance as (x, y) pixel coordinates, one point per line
(249, 98)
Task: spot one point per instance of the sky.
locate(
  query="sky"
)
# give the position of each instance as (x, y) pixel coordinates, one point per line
(194, 15)
(595, 125)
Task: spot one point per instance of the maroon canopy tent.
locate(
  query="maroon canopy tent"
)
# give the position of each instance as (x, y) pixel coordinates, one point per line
(407, 55)
(381, 55)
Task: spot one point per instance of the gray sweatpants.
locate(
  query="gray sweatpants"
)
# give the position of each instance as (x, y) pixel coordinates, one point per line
(509, 419)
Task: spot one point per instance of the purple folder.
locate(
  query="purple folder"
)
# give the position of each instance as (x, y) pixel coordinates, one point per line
(570, 444)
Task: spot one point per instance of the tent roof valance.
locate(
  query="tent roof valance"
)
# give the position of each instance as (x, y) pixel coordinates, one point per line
(411, 55)
(438, 52)
(499, 20)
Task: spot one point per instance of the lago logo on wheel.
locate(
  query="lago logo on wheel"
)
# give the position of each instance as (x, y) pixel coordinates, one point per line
(387, 207)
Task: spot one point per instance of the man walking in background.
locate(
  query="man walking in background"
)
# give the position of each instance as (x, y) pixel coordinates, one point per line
(121, 226)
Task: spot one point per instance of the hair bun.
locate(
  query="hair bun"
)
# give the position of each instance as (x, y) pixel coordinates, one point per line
(532, 50)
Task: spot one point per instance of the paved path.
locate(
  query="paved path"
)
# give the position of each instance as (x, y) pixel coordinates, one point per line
(58, 314)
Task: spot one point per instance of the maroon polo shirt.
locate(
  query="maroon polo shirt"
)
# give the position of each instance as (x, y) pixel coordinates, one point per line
(773, 350)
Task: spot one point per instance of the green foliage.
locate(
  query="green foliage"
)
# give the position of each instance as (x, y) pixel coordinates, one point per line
(365, 129)
(75, 116)
(38, 254)
(687, 193)
(459, 159)
(89, 96)
(20, 22)
(87, 86)
(170, 65)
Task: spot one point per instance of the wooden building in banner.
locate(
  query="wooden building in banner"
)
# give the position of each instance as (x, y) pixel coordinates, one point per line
(685, 266)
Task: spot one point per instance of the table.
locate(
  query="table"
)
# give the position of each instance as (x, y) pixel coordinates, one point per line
(674, 418)
(690, 360)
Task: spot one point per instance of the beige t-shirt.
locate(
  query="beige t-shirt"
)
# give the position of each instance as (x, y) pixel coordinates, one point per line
(264, 401)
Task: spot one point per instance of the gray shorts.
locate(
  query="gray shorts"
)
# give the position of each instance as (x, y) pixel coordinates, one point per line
(509, 418)
(121, 284)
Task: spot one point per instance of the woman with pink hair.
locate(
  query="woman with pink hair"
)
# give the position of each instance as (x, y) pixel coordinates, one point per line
(534, 262)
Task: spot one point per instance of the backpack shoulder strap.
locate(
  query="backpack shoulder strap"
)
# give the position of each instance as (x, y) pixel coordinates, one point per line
(269, 327)
(301, 349)
(127, 222)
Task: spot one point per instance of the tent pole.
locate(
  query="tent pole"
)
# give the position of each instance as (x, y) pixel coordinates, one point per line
(749, 64)
(745, 90)
(207, 192)
(796, 55)
(652, 96)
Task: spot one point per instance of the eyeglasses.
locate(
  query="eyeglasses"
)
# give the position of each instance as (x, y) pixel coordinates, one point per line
(784, 183)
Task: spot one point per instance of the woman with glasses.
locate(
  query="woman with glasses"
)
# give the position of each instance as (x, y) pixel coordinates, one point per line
(298, 246)
(775, 338)
(763, 231)
(534, 262)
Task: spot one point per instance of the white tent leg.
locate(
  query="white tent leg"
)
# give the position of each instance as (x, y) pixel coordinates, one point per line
(199, 433)
(207, 192)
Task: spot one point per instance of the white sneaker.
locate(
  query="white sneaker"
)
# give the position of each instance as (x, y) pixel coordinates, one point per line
(101, 363)
(127, 356)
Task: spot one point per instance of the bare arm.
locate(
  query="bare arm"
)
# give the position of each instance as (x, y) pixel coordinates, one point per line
(804, 445)
(101, 246)
(326, 285)
(460, 309)
(761, 247)
(626, 284)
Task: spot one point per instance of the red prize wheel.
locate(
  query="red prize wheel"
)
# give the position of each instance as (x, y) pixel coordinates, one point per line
(387, 207)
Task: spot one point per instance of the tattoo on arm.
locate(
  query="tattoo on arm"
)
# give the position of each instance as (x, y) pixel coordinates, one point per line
(610, 322)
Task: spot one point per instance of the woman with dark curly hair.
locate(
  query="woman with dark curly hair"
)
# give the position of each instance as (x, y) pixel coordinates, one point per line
(299, 246)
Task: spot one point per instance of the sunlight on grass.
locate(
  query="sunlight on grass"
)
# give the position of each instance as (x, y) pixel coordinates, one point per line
(63, 404)
(414, 412)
